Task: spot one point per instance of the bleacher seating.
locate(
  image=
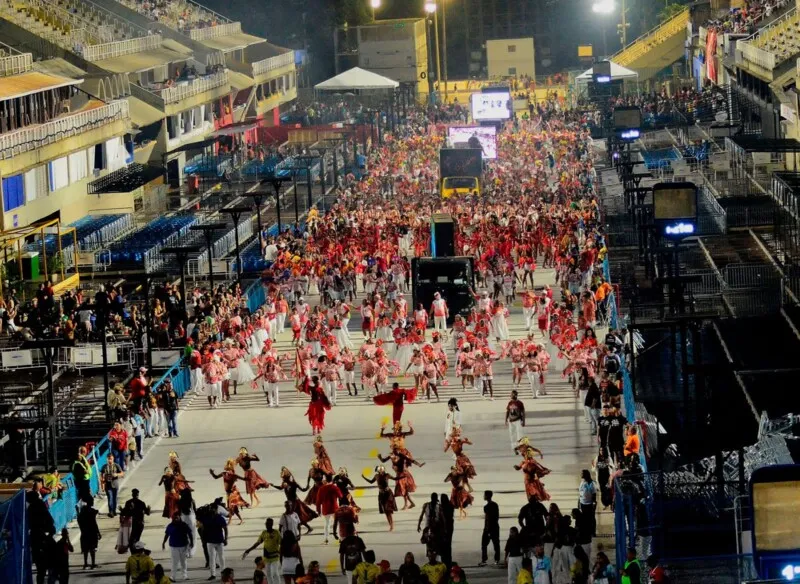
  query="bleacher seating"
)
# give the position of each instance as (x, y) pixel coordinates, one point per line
(162, 231)
(91, 232)
(181, 15)
(658, 159)
(782, 38)
(269, 166)
(70, 24)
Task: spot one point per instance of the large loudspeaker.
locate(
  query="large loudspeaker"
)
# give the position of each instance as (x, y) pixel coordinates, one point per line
(443, 235)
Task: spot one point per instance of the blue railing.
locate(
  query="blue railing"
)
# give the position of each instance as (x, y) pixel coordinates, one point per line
(15, 551)
(62, 509)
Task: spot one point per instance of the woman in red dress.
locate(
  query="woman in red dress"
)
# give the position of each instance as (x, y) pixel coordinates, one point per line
(533, 475)
(229, 478)
(386, 503)
(321, 453)
(290, 487)
(456, 443)
(252, 480)
(318, 405)
(459, 497)
(395, 398)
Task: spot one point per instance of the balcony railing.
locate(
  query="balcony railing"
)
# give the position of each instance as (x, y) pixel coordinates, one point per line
(273, 63)
(26, 139)
(760, 57)
(212, 32)
(120, 48)
(192, 87)
(15, 64)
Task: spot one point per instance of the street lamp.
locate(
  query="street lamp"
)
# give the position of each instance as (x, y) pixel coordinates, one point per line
(374, 4)
(603, 6)
(430, 9)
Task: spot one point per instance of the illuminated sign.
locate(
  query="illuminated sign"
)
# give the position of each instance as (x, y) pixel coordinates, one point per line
(790, 571)
(603, 79)
(491, 106)
(630, 134)
(679, 229)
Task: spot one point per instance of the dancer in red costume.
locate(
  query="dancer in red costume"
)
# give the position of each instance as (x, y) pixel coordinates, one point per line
(533, 475)
(252, 480)
(386, 503)
(459, 497)
(229, 478)
(290, 487)
(405, 483)
(395, 398)
(325, 464)
(318, 405)
(456, 443)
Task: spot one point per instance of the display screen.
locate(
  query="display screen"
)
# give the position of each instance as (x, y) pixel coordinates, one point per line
(776, 506)
(674, 203)
(627, 118)
(483, 137)
(460, 162)
(491, 106)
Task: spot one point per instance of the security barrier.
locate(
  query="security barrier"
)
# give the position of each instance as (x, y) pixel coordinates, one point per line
(62, 508)
(15, 552)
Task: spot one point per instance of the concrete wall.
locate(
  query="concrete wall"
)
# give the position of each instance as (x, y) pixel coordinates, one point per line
(509, 57)
(72, 202)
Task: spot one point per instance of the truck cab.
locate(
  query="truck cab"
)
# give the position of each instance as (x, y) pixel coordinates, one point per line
(460, 186)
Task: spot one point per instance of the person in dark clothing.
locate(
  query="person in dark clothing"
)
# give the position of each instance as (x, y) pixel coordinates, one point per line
(136, 510)
(90, 532)
(616, 435)
(446, 547)
(491, 529)
(60, 568)
(603, 427)
(409, 572)
(532, 520)
(42, 528)
(171, 407)
(583, 529)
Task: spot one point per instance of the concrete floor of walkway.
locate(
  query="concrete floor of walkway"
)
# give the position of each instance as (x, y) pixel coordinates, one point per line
(282, 437)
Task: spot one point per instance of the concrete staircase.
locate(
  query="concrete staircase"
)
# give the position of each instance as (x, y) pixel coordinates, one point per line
(656, 49)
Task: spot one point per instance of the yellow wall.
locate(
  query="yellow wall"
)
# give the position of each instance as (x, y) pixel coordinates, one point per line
(500, 59)
(73, 203)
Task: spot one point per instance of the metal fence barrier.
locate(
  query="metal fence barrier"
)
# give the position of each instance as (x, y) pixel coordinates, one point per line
(62, 508)
(15, 552)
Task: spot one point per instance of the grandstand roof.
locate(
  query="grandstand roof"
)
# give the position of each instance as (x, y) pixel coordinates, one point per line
(143, 114)
(169, 52)
(750, 143)
(232, 42)
(240, 81)
(32, 82)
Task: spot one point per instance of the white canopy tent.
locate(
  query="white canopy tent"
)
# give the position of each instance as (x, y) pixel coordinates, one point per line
(617, 72)
(357, 79)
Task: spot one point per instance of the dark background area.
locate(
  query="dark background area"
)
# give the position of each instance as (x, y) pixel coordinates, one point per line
(299, 24)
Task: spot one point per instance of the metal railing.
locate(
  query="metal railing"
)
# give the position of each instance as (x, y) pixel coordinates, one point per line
(15, 64)
(121, 48)
(26, 139)
(225, 245)
(758, 56)
(655, 36)
(196, 86)
(752, 49)
(90, 356)
(212, 32)
(273, 63)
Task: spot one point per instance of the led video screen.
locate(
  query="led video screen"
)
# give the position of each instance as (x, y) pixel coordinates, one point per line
(482, 137)
(491, 106)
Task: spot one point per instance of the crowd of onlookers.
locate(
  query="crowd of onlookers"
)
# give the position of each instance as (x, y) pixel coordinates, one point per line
(174, 13)
(746, 20)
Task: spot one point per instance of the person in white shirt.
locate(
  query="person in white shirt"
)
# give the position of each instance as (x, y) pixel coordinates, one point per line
(453, 417)
(289, 521)
(271, 252)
